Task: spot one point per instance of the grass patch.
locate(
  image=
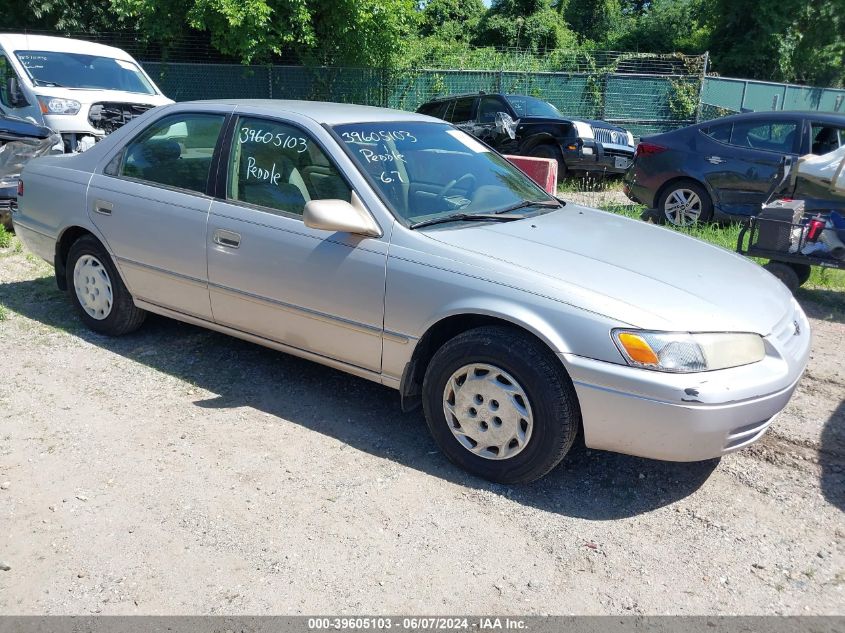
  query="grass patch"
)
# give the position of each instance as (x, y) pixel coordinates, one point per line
(5, 237)
(4, 313)
(589, 182)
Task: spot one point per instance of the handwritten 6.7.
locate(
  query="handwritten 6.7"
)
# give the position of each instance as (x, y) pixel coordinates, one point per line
(387, 178)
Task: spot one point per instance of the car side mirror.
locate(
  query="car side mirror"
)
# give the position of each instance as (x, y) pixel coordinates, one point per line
(16, 97)
(340, 216)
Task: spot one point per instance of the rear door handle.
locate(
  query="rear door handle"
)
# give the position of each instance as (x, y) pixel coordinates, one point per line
(103, 207)
(226, 238)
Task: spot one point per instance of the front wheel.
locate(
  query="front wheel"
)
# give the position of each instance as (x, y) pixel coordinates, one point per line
(545, 150)
(97, 291)
(500, 405)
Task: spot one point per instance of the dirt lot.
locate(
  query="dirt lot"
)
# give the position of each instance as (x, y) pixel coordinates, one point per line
(181, 471)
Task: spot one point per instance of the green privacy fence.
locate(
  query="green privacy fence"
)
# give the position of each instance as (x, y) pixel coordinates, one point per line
(721, 95)
(640, 101)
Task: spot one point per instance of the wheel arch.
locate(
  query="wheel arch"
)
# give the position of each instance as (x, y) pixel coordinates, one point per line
(451, 325)
(63, 243)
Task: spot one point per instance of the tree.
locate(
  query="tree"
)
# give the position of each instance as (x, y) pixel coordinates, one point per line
(525, 24)
(598, 21)
(65, 16)
(667, 26)
(353, 32)
(451, 20)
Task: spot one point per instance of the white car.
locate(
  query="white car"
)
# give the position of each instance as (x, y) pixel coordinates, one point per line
(81, 90)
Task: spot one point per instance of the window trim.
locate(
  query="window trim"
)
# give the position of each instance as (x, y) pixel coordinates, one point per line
(208, 193)
(220, 190)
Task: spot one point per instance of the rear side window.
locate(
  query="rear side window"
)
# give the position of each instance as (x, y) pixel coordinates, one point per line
(772, 136)
(462, 111)
(279, 167)
(175, 151)
(721, 133)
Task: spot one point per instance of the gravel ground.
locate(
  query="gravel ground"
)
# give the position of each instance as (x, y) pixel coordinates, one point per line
(180, 471)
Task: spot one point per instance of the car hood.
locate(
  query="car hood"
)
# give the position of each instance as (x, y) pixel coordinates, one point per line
(634, 272)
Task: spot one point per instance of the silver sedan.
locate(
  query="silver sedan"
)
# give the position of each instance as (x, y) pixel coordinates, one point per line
(397, 248)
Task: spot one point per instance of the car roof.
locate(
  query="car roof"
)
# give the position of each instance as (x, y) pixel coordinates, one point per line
(324, 112)
(830, 117)
(24, 41)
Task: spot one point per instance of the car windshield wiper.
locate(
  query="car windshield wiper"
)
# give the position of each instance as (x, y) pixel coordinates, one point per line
(46, 84)
(524, 204)
(470, 217)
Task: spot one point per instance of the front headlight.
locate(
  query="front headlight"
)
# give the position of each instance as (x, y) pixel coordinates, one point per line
(57, 105)
(630, 139)
(683, 352)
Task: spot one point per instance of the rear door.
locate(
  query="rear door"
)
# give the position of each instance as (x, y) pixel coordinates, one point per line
(462, 113)
(151, 205)
(741, 159)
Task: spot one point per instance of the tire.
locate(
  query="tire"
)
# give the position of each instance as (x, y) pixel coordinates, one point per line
(786, 273)
(700, 211)
(803, 271)
(540, 388)
(547, 150)
(98, 280)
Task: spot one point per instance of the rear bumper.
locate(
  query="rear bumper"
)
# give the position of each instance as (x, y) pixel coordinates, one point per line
(685, 417)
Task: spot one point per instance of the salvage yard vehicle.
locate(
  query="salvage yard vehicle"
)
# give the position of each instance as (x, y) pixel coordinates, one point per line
(527, 126)
(395, 247)
(20, 140)
(722, 169)
(82, 90)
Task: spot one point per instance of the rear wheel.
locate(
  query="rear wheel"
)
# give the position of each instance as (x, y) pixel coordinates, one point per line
(684, 203)
(500, 405)
(547, 150)
(97, 291)
(786, 273)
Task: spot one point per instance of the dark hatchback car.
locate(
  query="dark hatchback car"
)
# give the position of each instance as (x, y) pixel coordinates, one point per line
(723, 169)
(527, 126)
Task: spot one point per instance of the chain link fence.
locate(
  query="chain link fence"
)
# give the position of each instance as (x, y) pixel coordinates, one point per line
(642, 102)
(724, 95)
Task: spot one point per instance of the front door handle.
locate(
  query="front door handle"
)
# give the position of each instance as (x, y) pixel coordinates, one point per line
(103, 207)
(226, 238)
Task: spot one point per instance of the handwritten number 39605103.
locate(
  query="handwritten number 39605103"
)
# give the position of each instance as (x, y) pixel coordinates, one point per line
(276, 139)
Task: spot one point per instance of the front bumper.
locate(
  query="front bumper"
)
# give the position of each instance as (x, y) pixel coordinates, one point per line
(689, 417)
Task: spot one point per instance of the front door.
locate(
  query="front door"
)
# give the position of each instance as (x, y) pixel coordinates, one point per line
(150, 205)
(269, 274)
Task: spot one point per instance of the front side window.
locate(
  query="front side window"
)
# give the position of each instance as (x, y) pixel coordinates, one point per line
(279, 168)
(772, 136)
(6, 73)
(175, 151)
(826, 138)
(425, 170)
(488, 107)
(92, 72)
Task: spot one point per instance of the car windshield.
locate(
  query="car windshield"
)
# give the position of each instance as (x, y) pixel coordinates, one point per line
(430, 170)
(529, 106)
(89, 72)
